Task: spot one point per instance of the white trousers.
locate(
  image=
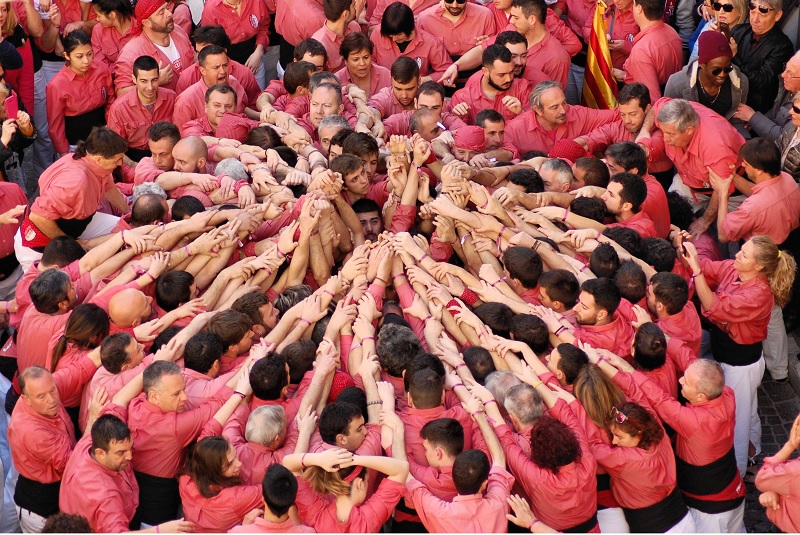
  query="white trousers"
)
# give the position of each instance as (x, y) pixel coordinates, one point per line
(612, 520)
(776, 346)
(745, 380)
(728, 522)
(29, 521)
(686, 525)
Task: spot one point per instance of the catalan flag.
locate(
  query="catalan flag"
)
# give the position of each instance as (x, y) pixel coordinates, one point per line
(599, 87)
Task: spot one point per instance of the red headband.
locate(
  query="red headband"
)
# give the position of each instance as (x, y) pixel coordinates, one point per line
(354, 474)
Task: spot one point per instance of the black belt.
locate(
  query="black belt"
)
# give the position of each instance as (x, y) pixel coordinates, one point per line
(706, 480)
(727, 351)
(74, 227)
(39, 498)
(159, 499)
(584, 527)
(240, 52)
(78, 127)
(659, 517)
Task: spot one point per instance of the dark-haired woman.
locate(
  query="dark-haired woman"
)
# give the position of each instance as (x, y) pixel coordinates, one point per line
(78, 95)
(115, 19)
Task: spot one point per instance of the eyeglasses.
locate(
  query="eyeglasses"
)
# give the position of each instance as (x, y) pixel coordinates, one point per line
(761, 9)
(455, 1)
(795, 109)
(717, 71)
(718, 6)
(617, 416)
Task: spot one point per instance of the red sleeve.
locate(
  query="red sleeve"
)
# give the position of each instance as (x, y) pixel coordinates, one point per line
(55, 114)
(406, 295)
(403, 218)
(189, 424)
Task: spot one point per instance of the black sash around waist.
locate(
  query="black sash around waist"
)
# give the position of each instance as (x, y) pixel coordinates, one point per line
(78, 127)
(583, 527)
(74, 227)
(159, 499)
(137, 154)
(727, 351)
(708, 480)
(241, 51)
(659, 517)
(40, 498)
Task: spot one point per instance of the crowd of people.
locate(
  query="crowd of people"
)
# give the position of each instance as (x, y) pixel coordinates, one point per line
(364, 265)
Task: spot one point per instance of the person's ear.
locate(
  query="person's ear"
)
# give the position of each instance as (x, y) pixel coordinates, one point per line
(341, 440)
(602, 315)
(627, 207)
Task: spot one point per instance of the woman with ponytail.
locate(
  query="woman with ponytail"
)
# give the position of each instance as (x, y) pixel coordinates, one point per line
(737, 297)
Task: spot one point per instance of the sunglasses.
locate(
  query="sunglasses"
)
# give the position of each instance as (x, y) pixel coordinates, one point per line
(727, 8)
(761, 9)
(795, 109)
(618, 416)
(455, 1)
(719, 70)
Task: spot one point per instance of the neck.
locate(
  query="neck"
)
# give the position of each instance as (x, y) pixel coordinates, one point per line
(123, 25)
(337, 26)
(535, 34)
(624, 216)
(344, 504)
(270, 517)
(747, 275)
(547, 125)
(647, 23)
(487, 89)
(762, 176)
(161, 39)
(146, 101)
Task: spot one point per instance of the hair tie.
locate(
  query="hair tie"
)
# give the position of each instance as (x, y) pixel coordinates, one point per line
(354, 474)
(779, 253)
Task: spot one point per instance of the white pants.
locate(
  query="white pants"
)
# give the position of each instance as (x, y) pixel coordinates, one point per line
(43, 152)
(29, 521)
(776, 346)
(686, 525)
(100, 225)
(745, 380)
(728, 522)
(612, 520)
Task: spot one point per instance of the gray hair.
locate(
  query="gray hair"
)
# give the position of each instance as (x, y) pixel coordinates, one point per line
(562, 170)
(710, 377)
(151, 378)
(678, 112)
(264, 424)
(233, 168)
(499, 383)
(333, 121)
(541, 87)
(148, 187)
(777, 5)
(31, 372)
(524, 403)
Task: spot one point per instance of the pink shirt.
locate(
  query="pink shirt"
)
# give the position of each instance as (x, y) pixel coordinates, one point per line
(108, 42)
(386, 102)
(298, 20)
(223, 511)
(146, 171)
(399, 123)
(712, 131)
(640, 223)
(428, 51)
(578, 12)
(684, 325)
(772, 209)
(262, 526)
(11, 195)
(243, 75)
(71, 189)
(31, 344)
(415, 419)
(379, 77)
(782, 477)
(472, 94)
(332, 41)
(608, 134)
(141, 45)
(131, 119)
(473, 513)
(527, 134)
(199, 386)
(657, 54)
(113, 383)
(624, 27)
(655, 205)
(615, 336)
(191, 104)
(458, 37)
(107, 498)
(251, 21)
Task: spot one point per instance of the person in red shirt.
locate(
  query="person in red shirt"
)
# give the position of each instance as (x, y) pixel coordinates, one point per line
(161, 139)
(132, 115)
(359, 69)
(668, 301)
(340, 21)
(279, 492)
(494, 87)
(777, 480)
(737, 296)
(619, 20)
(459, 24)
(116, 22)
(399, 96)
(78, 96)
(157, 37)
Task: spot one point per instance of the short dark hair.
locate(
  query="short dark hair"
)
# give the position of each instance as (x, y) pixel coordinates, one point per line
(404, 70)
(231, 326)
(426, 388)
(631, 281)
(604, 260)
(102, 141)
(536, 8)
(488, 114)
(365, 206)
(64, 523)
(144, 63)
(113, 354)
(493, 53)
(360, 144)
(650, 347)
(174, 288)
(561, 285)
(249, 304)
(297, 74)
(681, 213)
(628, 155)
(497, 316)
(154, 372)
(470, 470)
(628, 238)
(164, 129)
(422, 361)
(268, 377)
(605, 292)
(530, 179)
(397, 19)
(48, 289)
(202, 351)
(122, 7)
(108, 429)
(279, 489)
(633, 191)
(653, 9)
(532, 330)
(572, 360)
(479, 362)
(334, 9)
(165, 337)
(660, 254)
(671, 290)
(445, 433)
(300, 357)
(763, 154)
(355, 42)
(511, 37)
(346, 164)
(212, 35)
(223, 89)
(312, 47)
(186, 207)
(635, 91)
(595, 171)
(396, 346)
(432, 88)
(62, 251)
(335, 419)
(589, 208)
(524, 264)
(341, 136)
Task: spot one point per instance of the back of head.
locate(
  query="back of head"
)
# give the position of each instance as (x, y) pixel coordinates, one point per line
(710, 377)
(762, 154)
(553, 444)
(470, 470)
(185, 207)
(561, 285)
(396, 346)
(65, 523)
(423, 361)
(671, 290)
(397, 19)
(588, 207)
(497, 316)
(233, 168)
(113, 351)
(523, 264)
(631, 281)
(445, 433)
(634, 190)
(681, 213)
(604, 261)
(629, 239)
(268, 377)
(598, 394)
(660, 254)
(677, 112)
(629, 156)
(532, 330)
(530, 179)
(524, 403)
(155, 372)
(479, 361)
(202, 351)
(499, 383)
(264, 424)
(212, 35)
(653, 9)
(426, 388)
(102, 141)
(61, 252)
(595, 172)
(290, 297)
(335, 419)
(279, 489)
(173, 289)
(649, 347)
(147, 209)
(48, 290)
(300, 358)
(573, 359)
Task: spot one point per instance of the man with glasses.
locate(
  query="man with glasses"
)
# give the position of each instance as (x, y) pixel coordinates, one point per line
(760, 49)
(772, 123)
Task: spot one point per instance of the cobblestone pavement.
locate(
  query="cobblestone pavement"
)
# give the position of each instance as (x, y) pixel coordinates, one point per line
(778, 406)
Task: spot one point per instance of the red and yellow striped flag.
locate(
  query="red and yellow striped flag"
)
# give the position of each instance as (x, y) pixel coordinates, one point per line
(599, 87)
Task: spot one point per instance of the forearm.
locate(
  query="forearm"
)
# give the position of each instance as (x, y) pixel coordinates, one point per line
(115, 197)
(492, 442)
(710, 215)
(96, 256)
(173, 179)
(722, 213)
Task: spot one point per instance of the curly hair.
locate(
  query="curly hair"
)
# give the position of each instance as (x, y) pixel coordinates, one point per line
(640, 422)
(553, 444)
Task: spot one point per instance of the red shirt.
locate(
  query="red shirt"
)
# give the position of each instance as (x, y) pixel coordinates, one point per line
(199, 386)
(41, 446)
(608, 134)
(399, 123)
(223, 511)
(428, 51)
(555, 26)
(458, 37)
(113, 383)
(527, 134)
(243, 75)
(472, 513)
(141, 45)
(11, 195)
(131, 119)
(578, 12)
(262, 526)
(772, 209)
(386, 102)
(415, 419)
(615, 336)
(251, 21)
(657, 54)
(782, 477)
(332, 41)
(379, 77)
(191, 104)
(160, 438)
(684, 325)
(107, 498)
(82, 284)
(472, 93)
(71, 189)
(623, 27)
(549, 56)
(741, 309)
(713, 130)
(640, 223)
(298, 20)
(108, 42)
(70, 94)
(655, 205)
(31, 343)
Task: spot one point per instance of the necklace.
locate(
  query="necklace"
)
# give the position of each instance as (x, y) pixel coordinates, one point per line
(703, 89)
(235, 6)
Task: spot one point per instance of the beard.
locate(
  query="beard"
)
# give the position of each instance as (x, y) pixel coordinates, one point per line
(167, 28)
(496, 86)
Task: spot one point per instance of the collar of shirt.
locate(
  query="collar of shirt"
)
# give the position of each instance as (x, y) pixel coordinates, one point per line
(71, 75)
(767, 183)
(655, 27)
(195, 375)
(333, 36)
(613, 324)
(432, 412)
(93, 168)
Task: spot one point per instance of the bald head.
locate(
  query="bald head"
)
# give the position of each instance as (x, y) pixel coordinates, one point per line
(190, 154)
(129, 308)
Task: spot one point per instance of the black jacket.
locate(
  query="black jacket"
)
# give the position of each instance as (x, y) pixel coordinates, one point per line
(762, 63)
